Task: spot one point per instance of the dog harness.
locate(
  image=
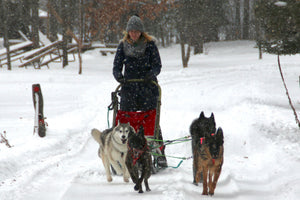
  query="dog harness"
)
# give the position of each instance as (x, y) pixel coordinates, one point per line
(137, 153)
(202, 140)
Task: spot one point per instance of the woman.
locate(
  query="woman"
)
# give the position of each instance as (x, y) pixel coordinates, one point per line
(139, 53)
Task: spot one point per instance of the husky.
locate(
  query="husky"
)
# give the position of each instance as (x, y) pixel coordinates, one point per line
(113, 149)
(138, 160)
(208, 150)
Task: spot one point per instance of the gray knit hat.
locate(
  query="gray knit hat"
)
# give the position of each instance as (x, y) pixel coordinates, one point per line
(135, 23)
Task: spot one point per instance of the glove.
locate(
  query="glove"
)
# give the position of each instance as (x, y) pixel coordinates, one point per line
(149, 77)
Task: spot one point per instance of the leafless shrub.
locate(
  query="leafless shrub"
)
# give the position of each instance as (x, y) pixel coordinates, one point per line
(4, 140)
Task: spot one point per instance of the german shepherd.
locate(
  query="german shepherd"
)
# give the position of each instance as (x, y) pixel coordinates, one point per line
(139, 160)
(113, 148)
(207, 147)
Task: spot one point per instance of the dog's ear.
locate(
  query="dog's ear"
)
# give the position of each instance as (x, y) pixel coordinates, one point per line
(201, 115)
(212, 117)
(141, 131)
(220, 137)
(131, 129)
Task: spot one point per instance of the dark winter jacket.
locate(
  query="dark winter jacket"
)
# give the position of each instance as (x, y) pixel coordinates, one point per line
(139, 95)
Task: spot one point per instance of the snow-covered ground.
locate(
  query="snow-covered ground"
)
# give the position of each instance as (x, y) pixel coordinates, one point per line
(246, 95)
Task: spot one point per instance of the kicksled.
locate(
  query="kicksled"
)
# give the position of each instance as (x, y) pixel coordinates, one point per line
(150, 120)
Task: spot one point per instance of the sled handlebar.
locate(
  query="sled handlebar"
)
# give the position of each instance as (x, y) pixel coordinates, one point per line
(139, 80)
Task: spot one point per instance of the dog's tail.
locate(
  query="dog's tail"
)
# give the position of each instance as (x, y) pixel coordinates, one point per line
(96, 135)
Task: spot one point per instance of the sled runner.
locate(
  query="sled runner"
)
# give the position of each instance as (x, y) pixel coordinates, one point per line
(148, 119)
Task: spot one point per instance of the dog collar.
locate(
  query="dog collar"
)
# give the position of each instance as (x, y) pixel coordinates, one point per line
(213, 161)
(202, 140)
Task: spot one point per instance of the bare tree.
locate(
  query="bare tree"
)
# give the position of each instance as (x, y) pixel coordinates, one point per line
(65, 9)
(108, 18)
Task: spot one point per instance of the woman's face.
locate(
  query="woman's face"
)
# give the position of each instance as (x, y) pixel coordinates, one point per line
(134, 35)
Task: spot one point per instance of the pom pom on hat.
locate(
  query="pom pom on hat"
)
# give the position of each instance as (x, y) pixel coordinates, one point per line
(135, 23)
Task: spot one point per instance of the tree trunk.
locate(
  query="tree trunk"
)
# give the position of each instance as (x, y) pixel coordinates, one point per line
(69, 32)
(35, 23)
(81, 10)
(53, 25)
(65, 16)
(162, 35)
(185, 55)
(1, 13)
(258, 35)
(260, 51)
(24, 17)
(5, 15)
(237, 19)
(258, 41)
(198, 48)
(246, 21)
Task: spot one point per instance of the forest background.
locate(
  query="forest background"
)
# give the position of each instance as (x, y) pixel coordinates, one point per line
(275, 25)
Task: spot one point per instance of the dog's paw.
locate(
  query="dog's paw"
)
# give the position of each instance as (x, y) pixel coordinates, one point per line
(109, 179)
(136, 187)
(195, 183)
(126, 180)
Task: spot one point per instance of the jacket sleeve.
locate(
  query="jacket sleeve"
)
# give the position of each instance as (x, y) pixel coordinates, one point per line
(155, 59)
(118, 62)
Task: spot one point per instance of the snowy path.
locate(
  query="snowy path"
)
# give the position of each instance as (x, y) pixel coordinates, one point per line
(245, 94)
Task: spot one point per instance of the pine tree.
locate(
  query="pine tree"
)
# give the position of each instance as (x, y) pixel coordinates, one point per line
(281, 26)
